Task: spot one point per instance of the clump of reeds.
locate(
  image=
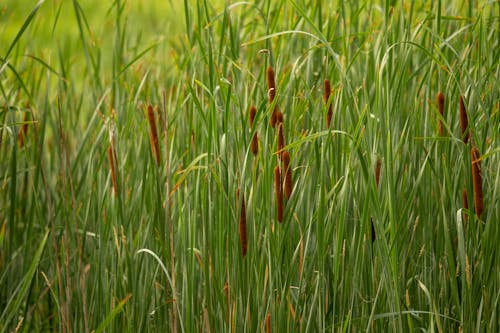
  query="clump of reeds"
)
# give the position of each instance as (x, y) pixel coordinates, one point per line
(464, 122)
(24, 131)
(477, 181)
(271, 86)
(440, 100)
(326, 97)
(153, 134)
(112, 164)
(279, 193)
(254, 146)
(288, 174)
(243, 224)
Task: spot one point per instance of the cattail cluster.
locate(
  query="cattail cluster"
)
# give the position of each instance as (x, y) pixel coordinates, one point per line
(440, 101)
(464, 122)
(153, 134)
(477, 181)
(254, 146)
(326, 97)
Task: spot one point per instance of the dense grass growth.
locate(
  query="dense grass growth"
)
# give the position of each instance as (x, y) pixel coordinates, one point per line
(134, 196)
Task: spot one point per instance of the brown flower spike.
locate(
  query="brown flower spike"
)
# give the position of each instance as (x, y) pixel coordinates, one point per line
(271, 86)
(243, 227)
(279, 193)
(477, 181)
(281, 140)
(326, 96)
(254, 146)
(153, 134)
(464, 121)
(440, 100)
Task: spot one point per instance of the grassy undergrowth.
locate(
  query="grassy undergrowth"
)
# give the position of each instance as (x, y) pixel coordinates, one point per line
(101, 231)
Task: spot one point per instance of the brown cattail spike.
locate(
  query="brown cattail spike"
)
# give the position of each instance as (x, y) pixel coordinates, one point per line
(440, 100)
(251, 115)
(279, 193)
(154, 134)
(281, 139)
(326, 97)
(465, 201)
(23, 131)
(112, 164)
(243, 227)
(271, 86)
(268, 323)
(288, 174)
(464, 121)
(279, 117)
(254, 146)
(477, 181)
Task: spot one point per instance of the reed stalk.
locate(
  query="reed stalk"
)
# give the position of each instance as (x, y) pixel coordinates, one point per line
(477, 181)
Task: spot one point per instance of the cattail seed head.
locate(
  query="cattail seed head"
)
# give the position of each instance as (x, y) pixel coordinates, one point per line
(477, 181)
(271, 84)
(440, 100)
(154, 134)
(464, 121)
(279, 193)
(243, 227)
(251, 115)
(279, 117)
(326, 97)
(268, 323)
(288, 174)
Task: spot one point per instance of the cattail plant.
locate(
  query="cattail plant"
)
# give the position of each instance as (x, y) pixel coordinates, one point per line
(288, 174)
(271, 86)
(279, 193)
(254, 146)
(477, 181)
(326, 97)
(281, 140)
(268, 323)
(243, 225)
(23, 132)
(440, 100)
(153, 134)
(464, 122)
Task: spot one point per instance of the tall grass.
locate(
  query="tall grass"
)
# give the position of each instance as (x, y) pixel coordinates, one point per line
(141, 232)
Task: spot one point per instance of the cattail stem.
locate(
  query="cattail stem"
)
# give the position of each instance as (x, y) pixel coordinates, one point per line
(464, 121)
(477, 181)
(440, 100)
(112, 164)
(154, 135)
(288, 174)
(326, 97)
(243, 227)
(279, 193)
